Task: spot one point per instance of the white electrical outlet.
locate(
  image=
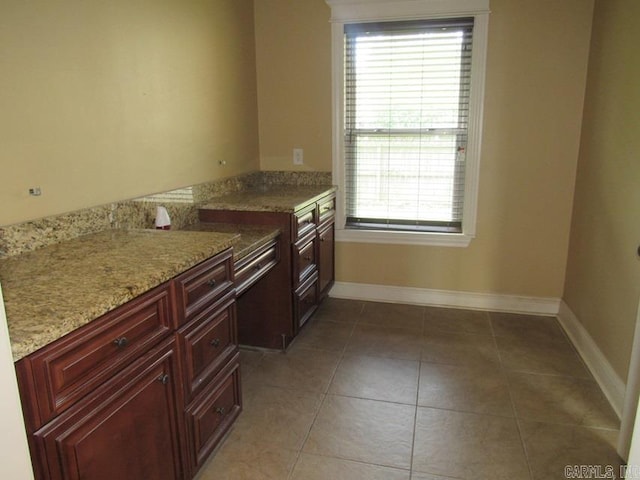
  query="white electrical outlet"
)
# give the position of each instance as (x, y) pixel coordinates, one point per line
(298, 156)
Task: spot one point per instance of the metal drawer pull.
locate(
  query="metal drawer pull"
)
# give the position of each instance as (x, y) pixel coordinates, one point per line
(215, 343)
(212, 282)
(308, 258)
(258, 266)
(121, 342)
(220, 410)
(163, 379)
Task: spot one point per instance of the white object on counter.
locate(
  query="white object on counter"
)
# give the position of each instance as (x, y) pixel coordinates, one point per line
(163, 222)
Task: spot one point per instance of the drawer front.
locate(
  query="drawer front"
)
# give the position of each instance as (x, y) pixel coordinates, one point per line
(326, 210)
(250, 270)
(196, 288)
(212, 413)
(304, 259)
(306, 300)
(209, 341)
(304, 221)
(70, 368)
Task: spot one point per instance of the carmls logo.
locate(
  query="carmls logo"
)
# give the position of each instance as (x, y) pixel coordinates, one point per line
(589, 471)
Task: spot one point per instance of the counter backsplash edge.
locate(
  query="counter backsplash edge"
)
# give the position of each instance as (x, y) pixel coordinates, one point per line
(182, 205)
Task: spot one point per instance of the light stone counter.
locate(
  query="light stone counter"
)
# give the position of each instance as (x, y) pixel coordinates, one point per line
(54, 290)
(288, 199)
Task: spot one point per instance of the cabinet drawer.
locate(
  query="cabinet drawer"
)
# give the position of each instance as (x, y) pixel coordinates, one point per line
(326, 209)
(304, 221)
(304, 258)
(208, 342)
(250, 269)
(212, 413)
(200, 285)
(75, 365)
(306, 300)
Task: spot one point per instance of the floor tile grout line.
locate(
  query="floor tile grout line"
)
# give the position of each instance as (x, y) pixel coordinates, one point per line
(325, 394)
(493, 331)
(515, 414)
(513, 405)
(415, 423)
(361, 462)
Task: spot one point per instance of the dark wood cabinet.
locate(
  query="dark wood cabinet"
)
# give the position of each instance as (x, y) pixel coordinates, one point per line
(305, 300)
(67, 370)
(212, 413)
(257, 264)
(326, 258)
(127, 429)
(304, 258)
(208, 343)
(271, 313)
(196, 288)
(326, 244)
(126, 396)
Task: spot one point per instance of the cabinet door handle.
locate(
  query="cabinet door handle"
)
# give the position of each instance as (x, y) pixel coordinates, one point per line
(258, 266)
(215, 343)
(121, 342)
(212, 282)
(308, 258)
(220, 410)
(322, 239)
(163, 379)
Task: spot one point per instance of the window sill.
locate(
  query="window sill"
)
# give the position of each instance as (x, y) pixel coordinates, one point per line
(404, 238)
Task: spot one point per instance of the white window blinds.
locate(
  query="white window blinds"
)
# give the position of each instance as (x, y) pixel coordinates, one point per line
(407, 90)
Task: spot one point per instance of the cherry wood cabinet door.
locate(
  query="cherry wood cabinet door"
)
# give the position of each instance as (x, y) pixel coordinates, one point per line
(326, 254)
(128, 429)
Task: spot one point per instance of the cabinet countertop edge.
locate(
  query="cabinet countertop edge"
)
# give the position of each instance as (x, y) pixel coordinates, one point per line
(52, 291)
(282, 199)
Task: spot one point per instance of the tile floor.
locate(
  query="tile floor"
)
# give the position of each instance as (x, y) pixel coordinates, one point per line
(373, 391)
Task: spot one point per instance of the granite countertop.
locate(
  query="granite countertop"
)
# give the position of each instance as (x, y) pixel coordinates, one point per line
(54, 290)
(286, 199)
(251, 236)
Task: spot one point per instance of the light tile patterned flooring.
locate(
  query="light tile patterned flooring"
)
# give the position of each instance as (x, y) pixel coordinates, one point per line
(373, 391)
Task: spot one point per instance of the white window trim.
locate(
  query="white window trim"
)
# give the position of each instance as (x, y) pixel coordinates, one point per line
(352, 11)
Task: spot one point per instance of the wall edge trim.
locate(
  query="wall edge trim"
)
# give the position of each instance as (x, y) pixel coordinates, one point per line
(610, 383)
(447, 298)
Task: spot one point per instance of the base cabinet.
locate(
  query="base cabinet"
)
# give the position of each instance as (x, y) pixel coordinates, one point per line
(127, 429)
(273, 311)
(326, 258)
(211, 415)
(143, 392)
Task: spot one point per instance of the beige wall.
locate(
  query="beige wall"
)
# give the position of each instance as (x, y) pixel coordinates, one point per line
(103, 101)
(293, 48)
(603, 271)
(537, 59)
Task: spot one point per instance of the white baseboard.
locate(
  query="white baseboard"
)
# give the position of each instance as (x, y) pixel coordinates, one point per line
(611, 384)
(446, 298)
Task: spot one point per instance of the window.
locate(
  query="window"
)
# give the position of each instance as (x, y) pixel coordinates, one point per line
(407, 122)
(406, 114)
